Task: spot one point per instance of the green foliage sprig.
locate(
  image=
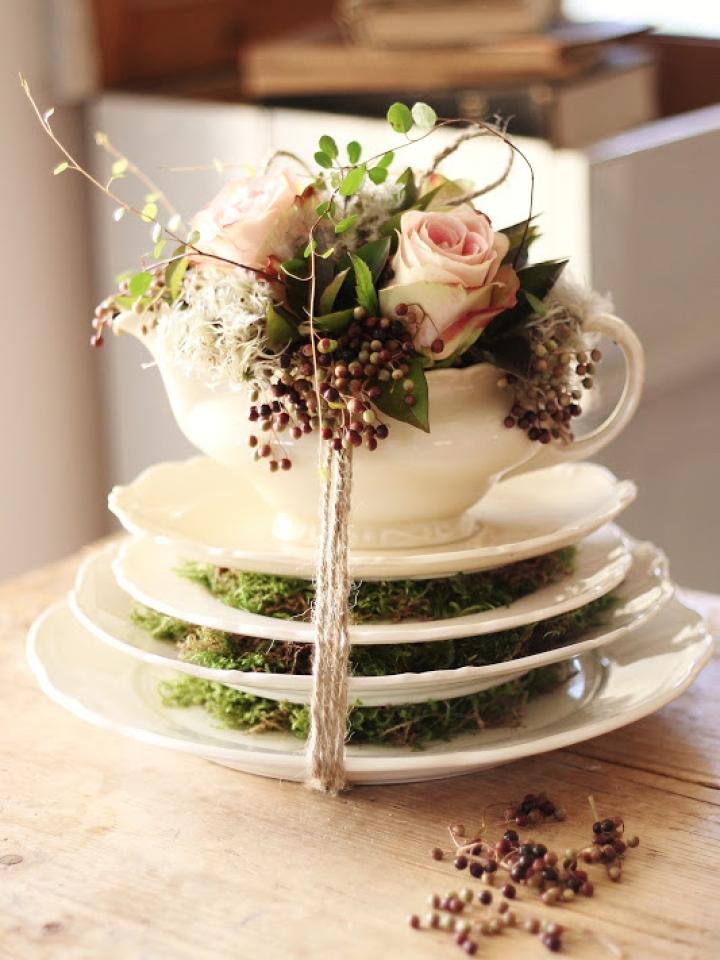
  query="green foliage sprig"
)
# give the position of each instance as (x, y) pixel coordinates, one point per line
(142, 289)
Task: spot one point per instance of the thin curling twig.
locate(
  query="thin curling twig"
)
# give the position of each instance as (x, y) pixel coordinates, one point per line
(77, 167)
(480, 129)
(102, 140)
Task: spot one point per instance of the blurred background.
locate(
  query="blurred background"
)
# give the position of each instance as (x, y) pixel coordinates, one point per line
(615, 103)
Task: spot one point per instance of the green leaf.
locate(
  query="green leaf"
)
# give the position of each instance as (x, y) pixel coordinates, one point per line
(364, 287)
(159, 247)
(352, 181)
(328, 146)
(353, 151)
(139, 284)
(410, 189)
(400, 118)
(411, 201)
(295, 269)
(174, 273)
(323, 160)
(327, 206)
(378, 174)
(149, 211)
(392, 399)
(386, 159)
(425, 200)
(424, 116)
(61, 168)
(119, 167)
(511, 354)
(297, 288)
(536, 303)
(280, 330)
(540, 278)
(310, 248)
(345, 224)
(329, 294)
(130, 303)
(536, 280)
(334, 322)
(518, 238)
(374, 253)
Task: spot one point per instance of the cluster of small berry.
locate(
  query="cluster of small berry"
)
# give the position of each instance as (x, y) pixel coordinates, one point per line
(333, 385)
(555, 878)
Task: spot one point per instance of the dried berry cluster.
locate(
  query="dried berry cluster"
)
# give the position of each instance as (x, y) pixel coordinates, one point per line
(453, 913)
(353, 371)
(546, 401)
(533, 808)
(555, 878)
(108, 310)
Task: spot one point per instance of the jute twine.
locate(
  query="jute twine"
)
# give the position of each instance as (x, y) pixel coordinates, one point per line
(328, 705)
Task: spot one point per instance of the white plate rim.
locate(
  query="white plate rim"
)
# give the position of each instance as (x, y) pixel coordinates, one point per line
(403, 563)
(393, 688)
(489, 621)
(449, 762)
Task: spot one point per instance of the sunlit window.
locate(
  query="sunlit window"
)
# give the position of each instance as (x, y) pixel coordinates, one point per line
(689, 18)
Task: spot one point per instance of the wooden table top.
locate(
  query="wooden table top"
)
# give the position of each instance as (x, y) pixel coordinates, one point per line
(112, 850)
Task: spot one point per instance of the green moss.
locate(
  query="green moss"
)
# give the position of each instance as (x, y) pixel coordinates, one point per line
(223, 651)
(415, 725)
(391, 601)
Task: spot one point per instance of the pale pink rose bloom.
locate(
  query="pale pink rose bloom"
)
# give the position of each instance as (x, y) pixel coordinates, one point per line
(449, 263)
(453, 246)
(246, 219)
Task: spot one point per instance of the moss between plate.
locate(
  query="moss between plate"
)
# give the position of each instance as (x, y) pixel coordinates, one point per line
(224, 651)
(407, 725)
(415, 725)
(391, 601)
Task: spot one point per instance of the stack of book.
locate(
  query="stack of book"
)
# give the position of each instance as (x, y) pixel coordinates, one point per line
(571, 84)
(443, 23)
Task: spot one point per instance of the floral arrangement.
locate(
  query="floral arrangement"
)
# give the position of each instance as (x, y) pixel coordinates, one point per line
(327, 297)
(335, 291)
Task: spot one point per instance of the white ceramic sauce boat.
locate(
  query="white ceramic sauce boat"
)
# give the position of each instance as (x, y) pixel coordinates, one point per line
(416, 488)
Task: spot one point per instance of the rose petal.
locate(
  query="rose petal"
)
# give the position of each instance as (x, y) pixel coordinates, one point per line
(453, 313)
(455, 245)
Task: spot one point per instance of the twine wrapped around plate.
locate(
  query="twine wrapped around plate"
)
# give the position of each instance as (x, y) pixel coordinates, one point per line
(328, 705)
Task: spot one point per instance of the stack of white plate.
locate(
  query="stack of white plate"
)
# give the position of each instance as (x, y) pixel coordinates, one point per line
(90, 657)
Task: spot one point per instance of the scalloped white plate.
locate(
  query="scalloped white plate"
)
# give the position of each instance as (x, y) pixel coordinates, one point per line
(105, 609)
(147, 571)
(611, 688)
(207, 513)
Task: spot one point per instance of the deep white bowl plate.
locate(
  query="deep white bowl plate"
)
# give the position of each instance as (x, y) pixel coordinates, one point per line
(209, 514)
(148, 572)
(611, 688)
(105, 609)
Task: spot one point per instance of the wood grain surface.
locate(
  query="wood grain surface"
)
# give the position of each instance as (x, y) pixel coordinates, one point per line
(111, 850)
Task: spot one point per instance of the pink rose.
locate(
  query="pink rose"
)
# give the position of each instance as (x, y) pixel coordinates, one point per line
(448, 267)
(250, 219)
